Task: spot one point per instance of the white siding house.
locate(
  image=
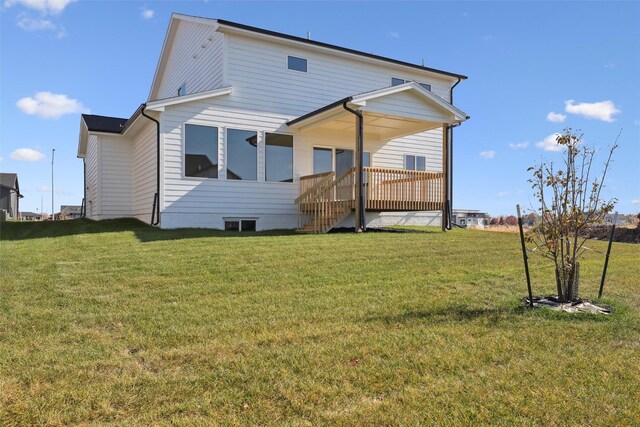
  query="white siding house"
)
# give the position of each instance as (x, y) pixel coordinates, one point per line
(262, 129)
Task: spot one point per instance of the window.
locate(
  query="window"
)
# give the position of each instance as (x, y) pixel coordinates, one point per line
(415, 163)
(278, 157)
(240, 225)
(322, 160)
(344, 160)
(366, 159)
(396, 81)
(242, 155)
(232, 225)
(297, 64)
(248, 225)
(201, 151)
(182, 90)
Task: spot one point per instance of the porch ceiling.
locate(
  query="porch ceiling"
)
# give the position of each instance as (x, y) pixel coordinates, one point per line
(388, 113)
(378, 125)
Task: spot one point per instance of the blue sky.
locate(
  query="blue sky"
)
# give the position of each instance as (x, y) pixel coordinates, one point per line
(579, 61)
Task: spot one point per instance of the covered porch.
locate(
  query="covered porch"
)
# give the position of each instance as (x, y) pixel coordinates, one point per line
(373, 119)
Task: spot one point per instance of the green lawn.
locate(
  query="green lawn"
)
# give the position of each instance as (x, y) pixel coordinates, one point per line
(118, 323)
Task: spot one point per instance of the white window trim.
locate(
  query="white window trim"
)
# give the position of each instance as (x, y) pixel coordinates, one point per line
(184, 149)
(286, 64)
(226, 153)
(264, 157)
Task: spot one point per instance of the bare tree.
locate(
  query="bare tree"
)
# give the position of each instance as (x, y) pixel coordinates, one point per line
(570, 203)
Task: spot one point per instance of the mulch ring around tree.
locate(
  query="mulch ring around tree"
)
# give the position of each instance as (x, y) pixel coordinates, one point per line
(577, 306)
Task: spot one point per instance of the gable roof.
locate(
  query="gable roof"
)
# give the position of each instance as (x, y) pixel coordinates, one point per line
(222, 24)
(362, 98)
(104, 123)
(9, 180)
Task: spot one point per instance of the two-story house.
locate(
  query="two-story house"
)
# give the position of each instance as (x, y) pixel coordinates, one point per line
(250, 129)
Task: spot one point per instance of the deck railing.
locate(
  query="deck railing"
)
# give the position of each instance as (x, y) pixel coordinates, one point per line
(326, 199)
(397, 189)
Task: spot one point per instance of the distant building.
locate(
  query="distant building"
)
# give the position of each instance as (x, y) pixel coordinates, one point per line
(10, 195)
(71, 211)
(31, 216)
(470, 217)
(621, 220)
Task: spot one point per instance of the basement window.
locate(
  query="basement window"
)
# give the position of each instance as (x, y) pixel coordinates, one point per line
(297, 64)
(240, 225)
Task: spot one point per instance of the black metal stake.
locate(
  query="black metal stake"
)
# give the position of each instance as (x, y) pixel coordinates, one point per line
(606, 259)
(525, 257)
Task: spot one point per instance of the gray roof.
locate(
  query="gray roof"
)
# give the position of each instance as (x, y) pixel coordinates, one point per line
(9, 180)
(104, 123)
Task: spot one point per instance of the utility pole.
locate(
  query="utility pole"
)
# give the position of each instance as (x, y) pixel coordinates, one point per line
(42, 208)
(53, 154)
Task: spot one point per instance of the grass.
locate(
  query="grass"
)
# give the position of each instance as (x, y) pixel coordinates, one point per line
(118, 323)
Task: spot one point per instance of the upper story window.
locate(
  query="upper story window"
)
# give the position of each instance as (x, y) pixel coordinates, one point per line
(278, 157)
(396, 81)
(415, 163)
(297, 64)
(182, 90)
(201, 151)
(242, 154)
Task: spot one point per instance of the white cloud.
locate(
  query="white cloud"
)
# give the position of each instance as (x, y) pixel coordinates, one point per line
(27, 155)
(31, 25)
(490, 154)
(50, 105)
(1, 159)
(556, 117)
(609, 65)
(503, 193)
(636, 122)
(603, 110)
(393, 34)
(487, 37)
(147, 13)
(519, 145)
(636, 201)
(44, 6)
(550, 143)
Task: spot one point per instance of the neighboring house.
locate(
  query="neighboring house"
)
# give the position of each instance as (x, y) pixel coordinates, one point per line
(30, 216)
(10, 195)
(70, 211)
(619, 221)
(467, 218)
(247, 129)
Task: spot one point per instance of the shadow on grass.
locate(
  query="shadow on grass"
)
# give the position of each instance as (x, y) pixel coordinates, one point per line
(461, 313)
(14, 231)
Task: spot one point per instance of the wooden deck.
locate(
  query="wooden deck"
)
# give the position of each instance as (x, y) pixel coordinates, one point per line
(325, 199)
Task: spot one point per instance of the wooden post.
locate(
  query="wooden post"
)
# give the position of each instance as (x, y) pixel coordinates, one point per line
(445, 183)
(606, 260)
(525, 257)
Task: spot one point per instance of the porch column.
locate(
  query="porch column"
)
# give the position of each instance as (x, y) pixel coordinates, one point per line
(445, 175)
(360, 204)
(360, 218)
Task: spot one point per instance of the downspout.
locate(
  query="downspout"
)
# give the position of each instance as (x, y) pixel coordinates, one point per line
(360, 208)
(449, 205)
(155, 209)
(84, 188)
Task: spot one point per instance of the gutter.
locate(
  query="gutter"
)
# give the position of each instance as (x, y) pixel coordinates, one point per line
(155, 209)
(449, 206)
